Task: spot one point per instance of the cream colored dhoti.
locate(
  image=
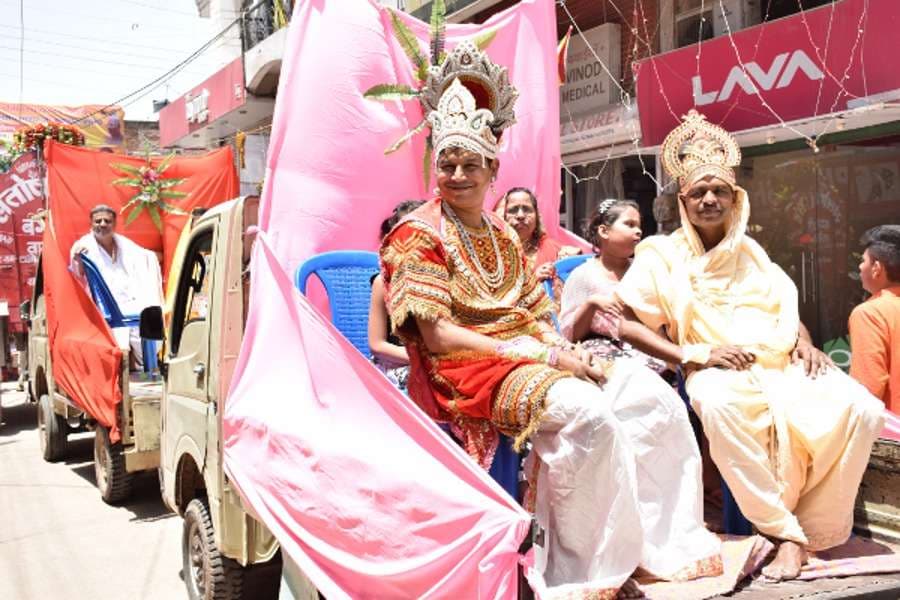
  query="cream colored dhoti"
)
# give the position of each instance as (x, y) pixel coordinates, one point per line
(618, 486)
(792, 449)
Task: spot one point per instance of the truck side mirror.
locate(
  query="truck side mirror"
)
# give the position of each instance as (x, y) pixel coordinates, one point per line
(151, 327)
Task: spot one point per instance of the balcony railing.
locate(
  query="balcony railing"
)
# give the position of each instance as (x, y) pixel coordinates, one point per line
(424, 12)
(263, 19)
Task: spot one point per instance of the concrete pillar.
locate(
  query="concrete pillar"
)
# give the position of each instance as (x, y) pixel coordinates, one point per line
(666, 25)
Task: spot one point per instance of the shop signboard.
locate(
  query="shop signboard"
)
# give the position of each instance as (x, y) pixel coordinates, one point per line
(588, 87)
(610, 125)
(220, 94)
(21, 233)
(812, 63)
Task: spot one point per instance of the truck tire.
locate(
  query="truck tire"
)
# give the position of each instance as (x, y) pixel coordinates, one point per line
(208, 574)
(52, 430)
(113, 481)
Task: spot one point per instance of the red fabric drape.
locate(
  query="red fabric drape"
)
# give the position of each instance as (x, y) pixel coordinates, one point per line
(85, 356)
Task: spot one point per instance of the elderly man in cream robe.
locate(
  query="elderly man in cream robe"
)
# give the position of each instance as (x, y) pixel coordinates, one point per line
(131, 272)
(790, 433)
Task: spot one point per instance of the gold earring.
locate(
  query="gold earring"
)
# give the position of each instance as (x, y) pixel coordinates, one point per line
(436, 191)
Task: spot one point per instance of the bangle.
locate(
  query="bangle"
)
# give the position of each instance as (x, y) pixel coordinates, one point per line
(525, 347)
(553, 356)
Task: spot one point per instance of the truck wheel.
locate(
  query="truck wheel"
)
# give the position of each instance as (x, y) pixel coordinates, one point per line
(52, 430)
(208, 574)
(113, 481)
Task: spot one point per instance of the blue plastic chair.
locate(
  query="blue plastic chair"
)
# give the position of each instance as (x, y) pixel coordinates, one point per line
(110, 310)
(347, 277)
(564, 268)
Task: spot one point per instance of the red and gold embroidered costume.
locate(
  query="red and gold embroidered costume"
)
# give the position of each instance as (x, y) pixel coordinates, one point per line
(429, 275)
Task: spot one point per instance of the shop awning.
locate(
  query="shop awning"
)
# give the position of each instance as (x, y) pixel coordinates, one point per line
(214, 109)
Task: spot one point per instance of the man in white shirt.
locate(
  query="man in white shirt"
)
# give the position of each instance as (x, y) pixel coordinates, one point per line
(131, 272)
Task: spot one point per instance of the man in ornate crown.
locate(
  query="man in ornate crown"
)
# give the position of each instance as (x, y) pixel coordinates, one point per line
(614, 463)
(790, 433)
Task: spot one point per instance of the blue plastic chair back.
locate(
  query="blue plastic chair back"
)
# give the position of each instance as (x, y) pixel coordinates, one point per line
(565, 266)
(103, 297)
(347, 277)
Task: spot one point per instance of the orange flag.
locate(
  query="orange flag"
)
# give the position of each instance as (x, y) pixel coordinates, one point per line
(562, 52)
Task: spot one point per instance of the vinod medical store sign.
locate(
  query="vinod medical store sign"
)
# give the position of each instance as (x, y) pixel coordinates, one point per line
(805, 65)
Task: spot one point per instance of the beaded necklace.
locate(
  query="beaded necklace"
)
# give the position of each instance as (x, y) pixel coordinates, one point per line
(493, 280)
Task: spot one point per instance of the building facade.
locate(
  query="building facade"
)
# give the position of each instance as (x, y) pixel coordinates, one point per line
(819, 124)
(803, 84)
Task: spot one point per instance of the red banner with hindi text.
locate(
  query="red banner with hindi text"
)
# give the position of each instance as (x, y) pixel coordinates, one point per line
(21, 229)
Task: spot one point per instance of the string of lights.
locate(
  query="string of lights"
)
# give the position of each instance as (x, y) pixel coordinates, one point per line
(644, 37)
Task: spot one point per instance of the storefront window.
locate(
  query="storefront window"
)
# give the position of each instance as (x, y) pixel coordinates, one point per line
(809, 211)
(613, 178)
(693, 21)
(776, 9)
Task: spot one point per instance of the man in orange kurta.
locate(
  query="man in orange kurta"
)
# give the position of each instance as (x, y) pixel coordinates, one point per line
(875, 324)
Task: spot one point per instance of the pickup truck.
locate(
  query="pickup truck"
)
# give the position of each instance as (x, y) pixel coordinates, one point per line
(138, 414)
(226, 552)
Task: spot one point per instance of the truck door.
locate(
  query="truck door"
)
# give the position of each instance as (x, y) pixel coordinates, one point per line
(186, 410)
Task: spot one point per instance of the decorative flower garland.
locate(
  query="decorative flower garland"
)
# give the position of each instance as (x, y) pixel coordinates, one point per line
(30, 138)
(153, 189)
(26, 139)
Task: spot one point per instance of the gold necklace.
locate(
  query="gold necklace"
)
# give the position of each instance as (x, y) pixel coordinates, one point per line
(493, 280)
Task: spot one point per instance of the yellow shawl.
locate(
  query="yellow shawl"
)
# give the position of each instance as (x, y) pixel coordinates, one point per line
(731, 295)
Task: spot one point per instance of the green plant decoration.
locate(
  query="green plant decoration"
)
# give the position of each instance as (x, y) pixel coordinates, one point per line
(386, 92)
(154, 190)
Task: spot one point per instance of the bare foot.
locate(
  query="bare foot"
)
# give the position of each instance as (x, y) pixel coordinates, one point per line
(788, 561)
(630, 589)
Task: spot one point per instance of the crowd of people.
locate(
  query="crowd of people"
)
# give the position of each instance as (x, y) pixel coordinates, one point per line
(610, 439)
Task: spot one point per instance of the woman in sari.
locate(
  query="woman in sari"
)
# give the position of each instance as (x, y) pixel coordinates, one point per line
(520, 210)
(610, 446)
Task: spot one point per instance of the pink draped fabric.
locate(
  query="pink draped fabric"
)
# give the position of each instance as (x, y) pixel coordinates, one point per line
(328, 175)
(364, 493)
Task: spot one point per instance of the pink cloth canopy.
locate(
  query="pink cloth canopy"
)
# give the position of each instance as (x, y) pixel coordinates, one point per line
(361, 489)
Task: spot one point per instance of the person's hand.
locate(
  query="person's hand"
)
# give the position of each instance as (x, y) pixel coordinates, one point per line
(77, 248)
(815, 362)
(545, 271)
(607, 303)
(581, 364)
(730, 357)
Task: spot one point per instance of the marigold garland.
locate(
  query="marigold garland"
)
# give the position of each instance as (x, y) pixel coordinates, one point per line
(26, 139)
(30, 138)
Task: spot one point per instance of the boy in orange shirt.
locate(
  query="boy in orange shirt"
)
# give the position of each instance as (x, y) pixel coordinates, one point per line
(875, 324)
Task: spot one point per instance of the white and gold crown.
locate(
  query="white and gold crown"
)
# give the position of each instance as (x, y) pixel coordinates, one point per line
(468, 101)
(697, 148)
